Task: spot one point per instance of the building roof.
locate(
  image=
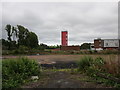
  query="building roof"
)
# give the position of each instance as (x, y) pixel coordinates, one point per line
(106, 39)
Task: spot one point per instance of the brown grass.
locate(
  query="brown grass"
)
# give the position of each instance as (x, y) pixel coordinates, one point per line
(112, 65)
(112, 61)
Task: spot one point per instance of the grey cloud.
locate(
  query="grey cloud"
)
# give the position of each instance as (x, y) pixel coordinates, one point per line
(83, 21)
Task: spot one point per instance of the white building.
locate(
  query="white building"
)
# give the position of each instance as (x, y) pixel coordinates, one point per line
(111, 43)
(101, 44)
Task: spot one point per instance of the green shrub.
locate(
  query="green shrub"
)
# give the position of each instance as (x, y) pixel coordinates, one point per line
(99, 64)
(15, 71)
(96, 66)
(99, 61)
(91, 71)
(84, 63)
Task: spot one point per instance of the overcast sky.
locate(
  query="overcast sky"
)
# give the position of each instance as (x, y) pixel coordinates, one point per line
(84, 21)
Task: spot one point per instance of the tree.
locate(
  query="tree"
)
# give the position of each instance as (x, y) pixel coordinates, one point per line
(43, 46)
(31, 40)
(9, 33)
(22, 34)
(85, 46)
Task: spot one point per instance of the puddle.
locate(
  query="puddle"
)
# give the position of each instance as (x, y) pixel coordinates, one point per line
(60, 65)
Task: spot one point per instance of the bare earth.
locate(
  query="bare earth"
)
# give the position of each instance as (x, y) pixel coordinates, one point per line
(62, 79)
(53, 58)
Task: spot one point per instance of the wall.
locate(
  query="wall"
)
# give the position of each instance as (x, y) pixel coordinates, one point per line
(98, 43)
(69, 48)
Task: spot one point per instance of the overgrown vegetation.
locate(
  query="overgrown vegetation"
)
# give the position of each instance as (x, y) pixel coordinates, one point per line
(96, 68)
(84, 63)
(16, 71)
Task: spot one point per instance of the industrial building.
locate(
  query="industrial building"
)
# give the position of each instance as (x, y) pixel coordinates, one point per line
(103, 44)
(64, 43)
(99, 44)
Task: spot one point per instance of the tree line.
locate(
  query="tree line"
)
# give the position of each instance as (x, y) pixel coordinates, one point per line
(19, 36)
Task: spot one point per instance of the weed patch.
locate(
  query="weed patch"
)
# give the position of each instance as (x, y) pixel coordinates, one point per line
(16, 71)
(96, 68)
(84, 63)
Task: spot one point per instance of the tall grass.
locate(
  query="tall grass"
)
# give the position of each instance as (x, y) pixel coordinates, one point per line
(84, 63)
(100, 69)
(113, 65)
(16, 71)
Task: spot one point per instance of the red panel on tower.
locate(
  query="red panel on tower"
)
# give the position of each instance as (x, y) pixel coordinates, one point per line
(64, 38)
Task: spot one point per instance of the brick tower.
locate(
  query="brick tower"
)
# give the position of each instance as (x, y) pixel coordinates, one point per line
(64, 38)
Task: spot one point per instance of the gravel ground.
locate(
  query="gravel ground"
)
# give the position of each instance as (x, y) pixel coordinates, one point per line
(64, 79)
